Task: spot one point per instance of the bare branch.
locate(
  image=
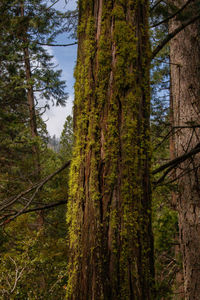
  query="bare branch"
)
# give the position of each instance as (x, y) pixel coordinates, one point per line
(185, 126)
(172, 35)
(48, 206)
(156, 4)
(37, 187)
(18, 275)
(173, 15)
(52, 4)
(175, 162)
(183, 173)
(57, 45)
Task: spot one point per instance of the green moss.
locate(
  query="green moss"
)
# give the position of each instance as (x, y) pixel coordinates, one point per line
(108, 101)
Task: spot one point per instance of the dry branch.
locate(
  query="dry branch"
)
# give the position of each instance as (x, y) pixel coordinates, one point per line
(173, 15)
(172, 35)
(175, 162)
(36, 188)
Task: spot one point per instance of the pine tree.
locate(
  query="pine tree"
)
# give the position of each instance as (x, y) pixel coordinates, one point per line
(27, 76)
(27, 70)
(66, 140)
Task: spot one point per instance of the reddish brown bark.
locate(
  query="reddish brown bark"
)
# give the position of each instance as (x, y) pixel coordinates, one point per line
(109, 209)
(185, 74)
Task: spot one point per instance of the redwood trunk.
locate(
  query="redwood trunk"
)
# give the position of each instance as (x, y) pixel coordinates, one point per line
(185, 78)
(109, 211)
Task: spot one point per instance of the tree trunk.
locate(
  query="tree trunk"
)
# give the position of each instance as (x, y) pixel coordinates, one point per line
(185, 75)
(30, 98)
(109, 211)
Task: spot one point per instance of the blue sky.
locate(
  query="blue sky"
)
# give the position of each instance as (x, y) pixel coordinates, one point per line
(65, 58)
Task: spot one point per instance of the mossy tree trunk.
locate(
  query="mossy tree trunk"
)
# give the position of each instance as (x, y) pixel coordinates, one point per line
(185, 79)
(109, 210)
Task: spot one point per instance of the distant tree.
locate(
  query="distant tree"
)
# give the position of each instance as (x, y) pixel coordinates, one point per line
(66, 139)
(24, 25)
(27, 77)
(28, 83)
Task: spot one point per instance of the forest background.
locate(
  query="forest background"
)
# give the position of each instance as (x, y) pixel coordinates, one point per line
(34, 168)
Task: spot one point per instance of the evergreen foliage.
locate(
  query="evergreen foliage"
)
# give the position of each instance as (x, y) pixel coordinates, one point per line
(33, 248)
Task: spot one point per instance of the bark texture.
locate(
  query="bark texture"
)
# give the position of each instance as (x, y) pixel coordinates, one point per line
(109, 210)
(185, 79)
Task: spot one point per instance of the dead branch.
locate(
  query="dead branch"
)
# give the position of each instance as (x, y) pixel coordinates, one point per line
(57, 45)
(175, 162)
(173, 15)
(172, 35)
(37, 187)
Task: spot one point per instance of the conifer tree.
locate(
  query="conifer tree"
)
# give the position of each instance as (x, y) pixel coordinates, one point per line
(185, 103)
(109, 211)
(66, 139)
(27, 77)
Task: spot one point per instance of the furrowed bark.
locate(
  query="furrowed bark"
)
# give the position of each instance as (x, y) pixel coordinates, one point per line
(185, 74)
(109, 208)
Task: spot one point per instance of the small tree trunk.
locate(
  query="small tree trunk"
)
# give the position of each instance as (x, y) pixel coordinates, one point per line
(109, 211)
(31, 101)
(185, 74)
(32, 116)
